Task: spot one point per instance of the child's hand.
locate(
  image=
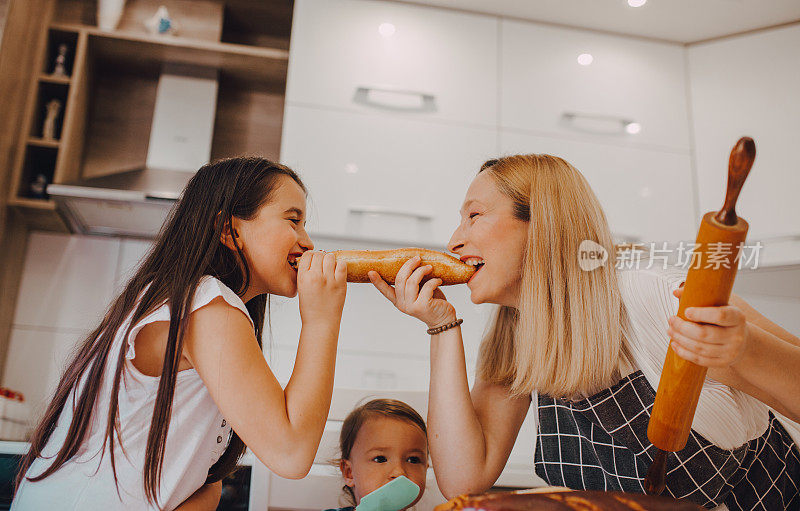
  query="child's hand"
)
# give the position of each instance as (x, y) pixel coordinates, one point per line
(428, 304)
(321, 286)
(713, 336)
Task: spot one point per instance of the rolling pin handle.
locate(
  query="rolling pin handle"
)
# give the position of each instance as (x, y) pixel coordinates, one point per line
(739, 165)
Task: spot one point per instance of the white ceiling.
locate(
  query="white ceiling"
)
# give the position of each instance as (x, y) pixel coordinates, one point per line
(682, 21)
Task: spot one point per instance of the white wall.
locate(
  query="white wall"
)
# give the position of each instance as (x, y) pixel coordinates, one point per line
(67, 284)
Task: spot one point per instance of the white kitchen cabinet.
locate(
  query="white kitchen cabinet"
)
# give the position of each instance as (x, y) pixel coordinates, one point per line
(380, 177)
(646, 194)
(435, 64)
(750, 85)
(545, 90)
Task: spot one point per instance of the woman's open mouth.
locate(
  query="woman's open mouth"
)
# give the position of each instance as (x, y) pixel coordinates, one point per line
(475, 262)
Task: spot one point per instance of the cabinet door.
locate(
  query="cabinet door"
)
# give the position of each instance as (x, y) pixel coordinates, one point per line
(380, 177)
(750, 85)
(646, 195)
(435, 64)
(546, 90)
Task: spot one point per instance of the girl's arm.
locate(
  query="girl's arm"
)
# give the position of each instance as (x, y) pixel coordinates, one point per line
(470, 435)
(282, 428)
(744, 350)
(206, 498)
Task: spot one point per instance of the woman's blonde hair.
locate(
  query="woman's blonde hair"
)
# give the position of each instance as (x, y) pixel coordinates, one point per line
(566, 338)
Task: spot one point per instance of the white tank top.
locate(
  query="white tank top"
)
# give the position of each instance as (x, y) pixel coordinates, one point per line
(198, 434)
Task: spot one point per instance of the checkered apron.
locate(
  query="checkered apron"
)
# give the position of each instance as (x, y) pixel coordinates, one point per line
(600, 443)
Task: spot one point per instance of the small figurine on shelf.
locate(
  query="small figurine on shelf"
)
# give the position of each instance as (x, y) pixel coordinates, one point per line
(39, 187)
(60, 67)
(161, 23)
(49, 127)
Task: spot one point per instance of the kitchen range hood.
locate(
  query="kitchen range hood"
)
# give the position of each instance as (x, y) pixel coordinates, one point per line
(135, 203)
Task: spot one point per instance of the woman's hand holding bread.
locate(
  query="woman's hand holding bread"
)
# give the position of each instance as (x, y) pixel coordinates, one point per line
(426, 303)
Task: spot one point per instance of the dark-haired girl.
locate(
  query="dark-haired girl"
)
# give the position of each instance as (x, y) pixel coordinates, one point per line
(158, 403)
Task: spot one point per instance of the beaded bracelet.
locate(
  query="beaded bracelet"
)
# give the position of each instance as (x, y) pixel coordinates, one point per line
(440, 329)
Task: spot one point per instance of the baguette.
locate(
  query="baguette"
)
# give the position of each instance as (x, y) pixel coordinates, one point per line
(388, 262)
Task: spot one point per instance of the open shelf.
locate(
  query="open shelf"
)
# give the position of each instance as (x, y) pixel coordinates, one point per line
(46, 93)
(244, 62)
(266, 24)
(55, 79)
(110, 80)
(58, 37)
(42, 204)
(38, 160)
(41, 142)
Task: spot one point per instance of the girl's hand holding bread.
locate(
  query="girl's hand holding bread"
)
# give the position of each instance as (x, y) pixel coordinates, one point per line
(321, 286)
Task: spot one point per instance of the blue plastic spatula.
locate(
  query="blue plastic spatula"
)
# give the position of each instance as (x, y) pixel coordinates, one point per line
(398, 493)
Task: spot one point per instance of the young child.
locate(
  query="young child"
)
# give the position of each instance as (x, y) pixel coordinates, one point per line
(381, 440)
(160, 400)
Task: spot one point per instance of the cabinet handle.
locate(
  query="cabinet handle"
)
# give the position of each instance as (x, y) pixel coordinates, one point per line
(781, 238)
(595, 123)
(380, 210)
(626, 238)
(427, 101)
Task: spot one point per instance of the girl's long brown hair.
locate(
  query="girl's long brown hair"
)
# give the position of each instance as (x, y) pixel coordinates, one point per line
(187, 248)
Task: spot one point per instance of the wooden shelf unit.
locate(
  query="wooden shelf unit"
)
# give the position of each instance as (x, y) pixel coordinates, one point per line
(108, 95)
(49, 157)
(42, 142)
(63, 80)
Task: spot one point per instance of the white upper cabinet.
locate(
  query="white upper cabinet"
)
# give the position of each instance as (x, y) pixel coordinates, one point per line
(394, 58)
(750, 85)
(645, 194)
(383, 177)
(545, 90)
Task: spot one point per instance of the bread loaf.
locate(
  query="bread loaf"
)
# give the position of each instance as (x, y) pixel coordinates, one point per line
(388, 262)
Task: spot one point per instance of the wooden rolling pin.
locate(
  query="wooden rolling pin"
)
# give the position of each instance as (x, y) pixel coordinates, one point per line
(708, 283)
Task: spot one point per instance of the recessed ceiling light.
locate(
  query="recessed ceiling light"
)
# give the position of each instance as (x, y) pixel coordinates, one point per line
(633, 128)
(386, 29)
(351, 168)
(585, 59)
(636, 3)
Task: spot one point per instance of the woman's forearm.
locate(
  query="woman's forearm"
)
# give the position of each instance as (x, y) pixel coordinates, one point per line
(458, 448)
(772, 364)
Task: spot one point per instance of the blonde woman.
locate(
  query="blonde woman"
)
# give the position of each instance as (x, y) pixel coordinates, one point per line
(586, 348)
